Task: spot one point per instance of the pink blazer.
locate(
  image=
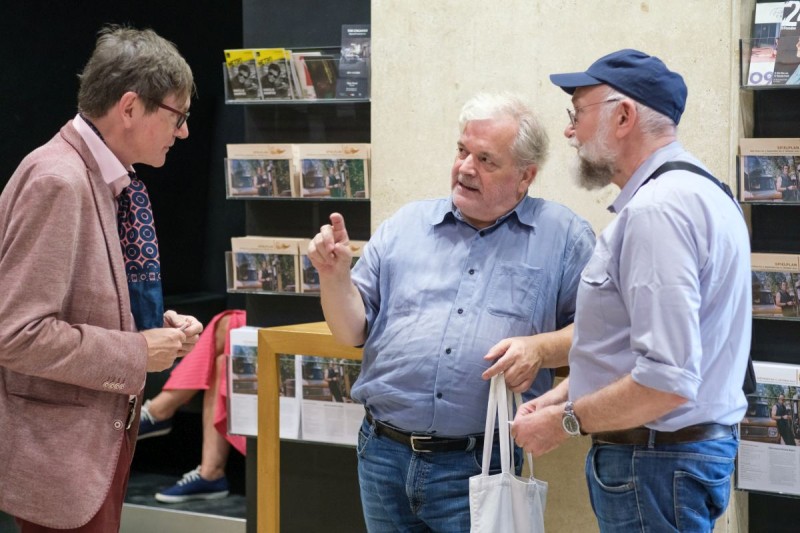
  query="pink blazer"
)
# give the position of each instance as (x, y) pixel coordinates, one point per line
(69, 356)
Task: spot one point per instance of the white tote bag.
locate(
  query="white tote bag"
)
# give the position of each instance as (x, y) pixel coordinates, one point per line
(504, 502)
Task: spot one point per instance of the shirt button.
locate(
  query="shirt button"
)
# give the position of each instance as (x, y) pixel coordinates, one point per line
(448, 351)
(438, 394)
(471, 271)
(482, 233)
(460, 311)
(118, 424)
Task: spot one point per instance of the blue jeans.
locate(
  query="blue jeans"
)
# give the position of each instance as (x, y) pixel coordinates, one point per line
(668, 487)
(406, 491)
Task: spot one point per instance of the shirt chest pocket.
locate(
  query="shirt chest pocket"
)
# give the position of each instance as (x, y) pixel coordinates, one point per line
(513, 290)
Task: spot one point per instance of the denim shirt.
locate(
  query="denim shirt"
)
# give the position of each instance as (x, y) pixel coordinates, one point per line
(440, 293)
(666, 296)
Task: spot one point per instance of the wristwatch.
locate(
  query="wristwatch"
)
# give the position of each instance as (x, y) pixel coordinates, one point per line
(569, 421)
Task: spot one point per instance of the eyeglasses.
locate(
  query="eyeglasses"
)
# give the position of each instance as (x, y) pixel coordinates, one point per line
(182, 117)
(573, 115)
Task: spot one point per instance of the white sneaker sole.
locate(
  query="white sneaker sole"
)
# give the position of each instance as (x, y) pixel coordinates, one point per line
(165, 498)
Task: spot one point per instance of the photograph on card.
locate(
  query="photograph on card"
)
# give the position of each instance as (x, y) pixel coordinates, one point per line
(769, 457)
(265, 178)
(328, 413)
(776, 284)
(334, 170)
(265, 264)
(244, 369)
(769, 170)
(309, 277)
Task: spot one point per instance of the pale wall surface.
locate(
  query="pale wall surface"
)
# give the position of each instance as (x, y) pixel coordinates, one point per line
(430, 56)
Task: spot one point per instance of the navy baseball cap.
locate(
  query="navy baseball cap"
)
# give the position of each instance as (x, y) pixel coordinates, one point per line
(644, 78)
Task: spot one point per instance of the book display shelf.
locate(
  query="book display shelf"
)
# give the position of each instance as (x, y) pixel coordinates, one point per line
(316, 481)
(768, 175)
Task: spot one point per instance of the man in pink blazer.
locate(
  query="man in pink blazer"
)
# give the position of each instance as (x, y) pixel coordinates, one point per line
(73, 352)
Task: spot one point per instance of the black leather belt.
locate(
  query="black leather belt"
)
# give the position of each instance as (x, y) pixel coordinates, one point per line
(425, 443)
(643, 436)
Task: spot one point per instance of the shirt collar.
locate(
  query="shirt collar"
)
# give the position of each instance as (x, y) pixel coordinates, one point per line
(656, 159)
(112, 170)
(447, 211)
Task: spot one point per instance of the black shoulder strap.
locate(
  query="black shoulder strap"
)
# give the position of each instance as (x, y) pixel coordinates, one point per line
(749, 385)
(684, 165)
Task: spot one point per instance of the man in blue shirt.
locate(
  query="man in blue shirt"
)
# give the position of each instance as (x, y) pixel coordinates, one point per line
(662, 330)
(443, 289)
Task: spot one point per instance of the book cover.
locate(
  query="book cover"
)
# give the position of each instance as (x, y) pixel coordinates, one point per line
(787, 59)
(768, 454)
(763, 45)
(305, 84)
(322, 70)
(297, 89)
(242, 74)
(273, 73)
(354, 60)
(265, 264)
(769, 169)
(776, 282)
(334, 170)
(260, 170)
(309, 277)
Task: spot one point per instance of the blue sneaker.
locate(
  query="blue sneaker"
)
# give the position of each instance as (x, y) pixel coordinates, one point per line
(194, 487)
(149, 426)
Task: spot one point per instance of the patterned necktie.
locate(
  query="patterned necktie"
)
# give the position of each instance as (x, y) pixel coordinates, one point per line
(137, 235)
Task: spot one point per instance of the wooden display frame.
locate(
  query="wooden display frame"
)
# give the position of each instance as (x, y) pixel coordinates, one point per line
(303, 339)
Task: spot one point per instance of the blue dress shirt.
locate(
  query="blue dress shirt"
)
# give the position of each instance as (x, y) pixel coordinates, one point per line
(666, 296)
(440, 293)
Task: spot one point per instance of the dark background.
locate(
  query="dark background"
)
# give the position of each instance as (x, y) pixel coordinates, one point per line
(46, 45)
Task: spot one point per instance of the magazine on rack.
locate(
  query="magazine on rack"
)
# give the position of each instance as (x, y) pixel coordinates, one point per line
(763, 44)
(776, 282)
(769, 458)
(242, 74)
(769, 169)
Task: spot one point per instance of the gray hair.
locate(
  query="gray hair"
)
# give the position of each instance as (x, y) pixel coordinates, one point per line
(651, 122)
(126, 59)
(531, 144)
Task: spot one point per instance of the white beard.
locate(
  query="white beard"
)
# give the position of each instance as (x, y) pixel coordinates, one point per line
(594, 166)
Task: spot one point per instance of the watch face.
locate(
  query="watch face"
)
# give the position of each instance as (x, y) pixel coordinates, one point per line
(570, 424)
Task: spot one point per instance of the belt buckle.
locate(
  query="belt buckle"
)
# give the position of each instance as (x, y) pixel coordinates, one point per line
(131, 412)
(415, 438)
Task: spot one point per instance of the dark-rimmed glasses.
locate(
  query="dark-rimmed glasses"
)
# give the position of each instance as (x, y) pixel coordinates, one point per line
(573, 115)
(182, 117)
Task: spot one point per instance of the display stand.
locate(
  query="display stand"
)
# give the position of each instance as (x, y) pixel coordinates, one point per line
(306, 339)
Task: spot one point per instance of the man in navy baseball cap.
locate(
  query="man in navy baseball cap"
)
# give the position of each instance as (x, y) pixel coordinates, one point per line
(660, 344)
(642, 77)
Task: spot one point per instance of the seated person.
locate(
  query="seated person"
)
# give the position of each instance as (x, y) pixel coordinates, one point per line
(202, 369)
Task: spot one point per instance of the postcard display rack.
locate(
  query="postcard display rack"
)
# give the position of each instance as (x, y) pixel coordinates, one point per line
(768, 465)
(318, 482)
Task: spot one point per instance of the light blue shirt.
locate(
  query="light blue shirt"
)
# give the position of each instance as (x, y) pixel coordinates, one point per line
(439, 294)
(666, 296)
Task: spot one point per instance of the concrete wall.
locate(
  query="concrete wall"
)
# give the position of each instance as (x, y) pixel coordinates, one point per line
(429, 56)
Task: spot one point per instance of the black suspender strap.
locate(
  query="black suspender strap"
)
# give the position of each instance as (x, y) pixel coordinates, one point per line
(689, 167)
(749, 385)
